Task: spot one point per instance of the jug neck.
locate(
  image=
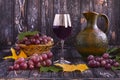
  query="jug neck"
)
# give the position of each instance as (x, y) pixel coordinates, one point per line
(92, 21)
(91, 18)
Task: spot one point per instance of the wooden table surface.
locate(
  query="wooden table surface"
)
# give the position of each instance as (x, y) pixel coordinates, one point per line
(71, 55)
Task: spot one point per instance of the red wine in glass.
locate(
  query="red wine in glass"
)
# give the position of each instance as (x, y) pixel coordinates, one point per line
(62, 29)
(62, 32)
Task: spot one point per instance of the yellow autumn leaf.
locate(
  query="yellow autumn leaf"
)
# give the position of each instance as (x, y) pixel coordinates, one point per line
(13, 52)
(9, 57)
(66, 67)
(15, 56)
(70, 68)
(22, 54)
(81, 67)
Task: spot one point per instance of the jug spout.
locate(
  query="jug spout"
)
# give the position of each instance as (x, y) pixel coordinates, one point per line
(91, 17)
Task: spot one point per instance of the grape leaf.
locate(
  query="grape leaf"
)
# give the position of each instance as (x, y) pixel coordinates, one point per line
(44, 69)
(111, 50)
(23, 34)
(50, 68)
(115, 68)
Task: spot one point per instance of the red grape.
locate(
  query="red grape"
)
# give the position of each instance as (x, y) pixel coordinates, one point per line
(31, 66)
(107, 60)
(36, 60)
(48, 62)
(50, 54)
(44, 56)
(37, 42)
(43, 63)
(17, 48)
(23, 66)
(30, 62)
(101, 58)
(38, 65)
(27, 42)
(49, 39)
(36, 36)
(45, 41)
(97, 64)
(19, 60)
(35, 54)
(92, 63)
(44, 36)
(90, 57)
(40, 58)
(110, 61)
(33, 58)
(25, 39)
(105, 56)
(103, 63)
(116, 64)
(98, 59)
(16, 66)
(108, 66)
(40, 39)
(33, 41)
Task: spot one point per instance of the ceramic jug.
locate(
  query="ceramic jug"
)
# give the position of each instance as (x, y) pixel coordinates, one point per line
(92, 40)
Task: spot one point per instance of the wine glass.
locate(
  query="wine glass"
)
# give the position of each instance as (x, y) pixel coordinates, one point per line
(62, 29)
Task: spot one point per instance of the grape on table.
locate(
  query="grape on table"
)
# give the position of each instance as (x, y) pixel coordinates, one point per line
(103, 61)
(33, 62)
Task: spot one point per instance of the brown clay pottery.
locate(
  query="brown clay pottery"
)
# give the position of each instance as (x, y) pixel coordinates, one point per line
(92, 40)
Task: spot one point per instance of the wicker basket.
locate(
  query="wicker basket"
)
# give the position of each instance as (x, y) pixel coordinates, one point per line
(31, 49)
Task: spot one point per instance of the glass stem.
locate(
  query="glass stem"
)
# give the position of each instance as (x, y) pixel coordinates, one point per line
(62, 50)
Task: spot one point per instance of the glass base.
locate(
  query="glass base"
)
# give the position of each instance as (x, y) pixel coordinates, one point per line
(62, 61)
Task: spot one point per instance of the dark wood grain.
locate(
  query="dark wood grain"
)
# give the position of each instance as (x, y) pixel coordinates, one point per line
(90, 74)
(102, 73)
(6, 22)
(40, 15)
(74, 7)
(33, 14)
(115, 17)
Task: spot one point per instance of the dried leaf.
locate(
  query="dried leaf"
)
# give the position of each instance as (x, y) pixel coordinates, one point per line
(13, 53)
(67, 67)
(22, 54)
(15, 56)
(70, 68)
(81, 67)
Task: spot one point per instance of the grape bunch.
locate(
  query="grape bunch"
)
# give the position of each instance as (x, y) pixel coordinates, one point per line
(35, 39)
(34, 61)
(103, 61)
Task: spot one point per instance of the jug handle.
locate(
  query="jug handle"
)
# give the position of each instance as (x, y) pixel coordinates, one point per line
(107, 21)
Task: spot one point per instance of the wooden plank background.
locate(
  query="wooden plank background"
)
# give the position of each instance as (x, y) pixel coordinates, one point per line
(40, 15)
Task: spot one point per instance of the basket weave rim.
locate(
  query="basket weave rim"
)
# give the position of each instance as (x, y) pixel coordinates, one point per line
(48, 44)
